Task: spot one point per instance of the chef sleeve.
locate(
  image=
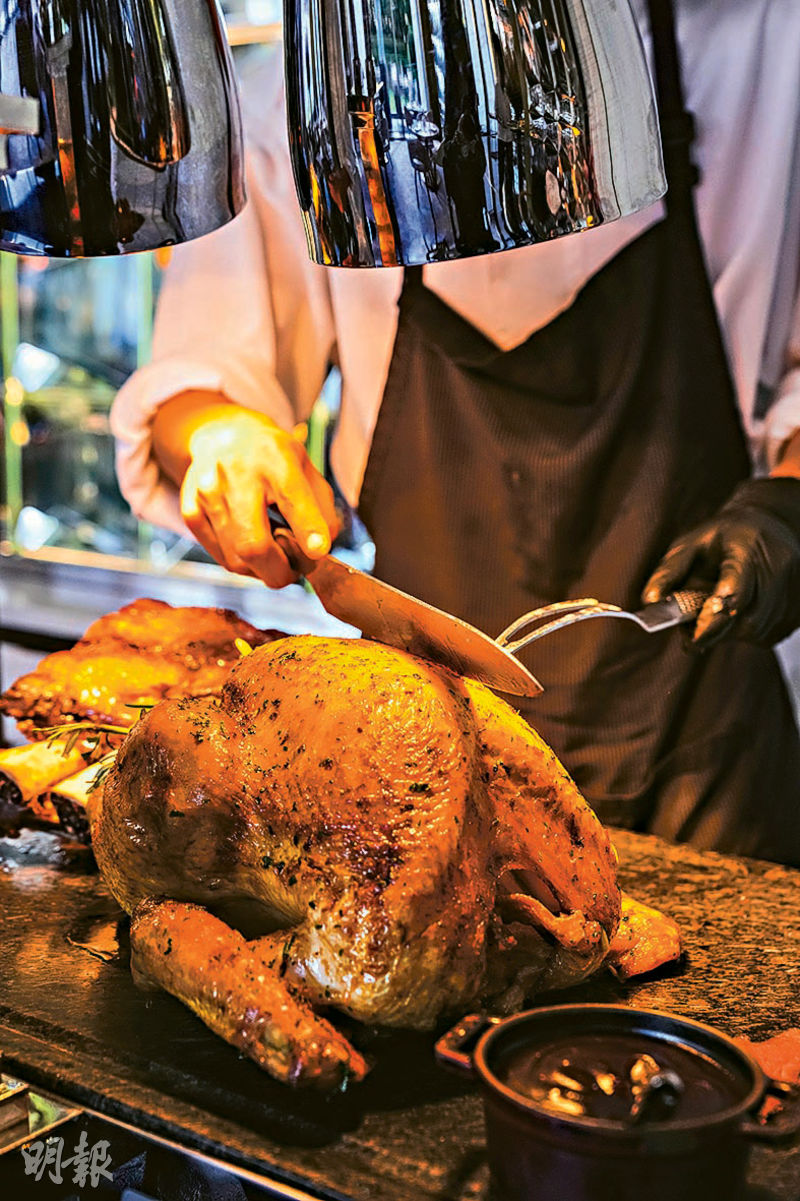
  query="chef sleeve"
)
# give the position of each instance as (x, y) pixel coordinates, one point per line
(783, 416)
(242, 311)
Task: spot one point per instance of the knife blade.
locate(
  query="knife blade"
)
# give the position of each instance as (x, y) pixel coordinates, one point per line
(397, 619)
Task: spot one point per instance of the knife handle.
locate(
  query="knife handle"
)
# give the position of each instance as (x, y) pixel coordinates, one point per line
(296, 557)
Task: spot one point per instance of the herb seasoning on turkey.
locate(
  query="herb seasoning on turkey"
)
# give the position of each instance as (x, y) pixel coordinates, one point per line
(406, 848)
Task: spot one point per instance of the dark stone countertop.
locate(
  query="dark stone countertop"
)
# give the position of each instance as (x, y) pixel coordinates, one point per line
(75, 1024)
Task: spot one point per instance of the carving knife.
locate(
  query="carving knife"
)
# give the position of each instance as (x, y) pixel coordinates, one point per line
(393, 617)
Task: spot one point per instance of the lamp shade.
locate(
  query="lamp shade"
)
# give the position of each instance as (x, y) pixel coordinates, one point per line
(119, 125)
(426, 130)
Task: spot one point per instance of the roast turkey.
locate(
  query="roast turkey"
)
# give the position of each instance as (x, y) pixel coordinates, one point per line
(135, 656)
(348, 827)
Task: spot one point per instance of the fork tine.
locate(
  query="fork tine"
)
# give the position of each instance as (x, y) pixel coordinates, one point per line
(545, 612)
(568, 618)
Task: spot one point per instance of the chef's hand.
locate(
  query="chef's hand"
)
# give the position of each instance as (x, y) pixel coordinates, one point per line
(230, 464)
(749, 555)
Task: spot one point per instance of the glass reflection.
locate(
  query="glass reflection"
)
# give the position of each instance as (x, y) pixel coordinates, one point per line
(138, 142)
(427, 131)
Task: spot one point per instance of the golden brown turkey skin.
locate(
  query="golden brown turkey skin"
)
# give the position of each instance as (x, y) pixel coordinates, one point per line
(237, 989)
(139, 655)
(385, 811)
(645, 940)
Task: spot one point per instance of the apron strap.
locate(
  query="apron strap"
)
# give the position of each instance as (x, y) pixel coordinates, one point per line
(412, 280)
(678, 128)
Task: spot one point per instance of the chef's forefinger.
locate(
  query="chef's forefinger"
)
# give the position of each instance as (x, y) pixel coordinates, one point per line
(242, 528)
(671, 573)
(205, 515)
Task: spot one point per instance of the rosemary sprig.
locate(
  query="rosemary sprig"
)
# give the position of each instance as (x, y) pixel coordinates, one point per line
(104, 768)
(89, 732)
(80, 731)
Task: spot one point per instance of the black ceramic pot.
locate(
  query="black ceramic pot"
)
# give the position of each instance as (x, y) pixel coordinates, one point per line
(698, 1153)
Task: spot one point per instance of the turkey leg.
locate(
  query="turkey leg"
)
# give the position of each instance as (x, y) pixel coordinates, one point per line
(238, 989)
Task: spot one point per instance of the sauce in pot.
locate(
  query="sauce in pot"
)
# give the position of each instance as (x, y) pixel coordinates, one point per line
(625, 1078)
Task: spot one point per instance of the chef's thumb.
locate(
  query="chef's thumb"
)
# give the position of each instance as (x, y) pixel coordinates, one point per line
(712, 624)
(316, 542)
(306, 521)
(673, 571)
(731, 595)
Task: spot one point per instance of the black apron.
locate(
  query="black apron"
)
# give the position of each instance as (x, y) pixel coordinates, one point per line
(501, 481)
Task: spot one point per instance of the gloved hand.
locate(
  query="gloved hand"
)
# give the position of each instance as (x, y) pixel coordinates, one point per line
(749, 554)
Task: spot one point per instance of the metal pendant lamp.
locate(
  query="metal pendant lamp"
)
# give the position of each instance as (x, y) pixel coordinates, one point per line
(119, 125)
(427, 130)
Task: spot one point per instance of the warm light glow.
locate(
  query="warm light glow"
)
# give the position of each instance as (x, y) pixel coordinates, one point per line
(19, 433)
(15, 393)
(35, 262)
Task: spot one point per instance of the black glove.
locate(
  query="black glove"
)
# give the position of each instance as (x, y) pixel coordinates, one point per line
(749, 554)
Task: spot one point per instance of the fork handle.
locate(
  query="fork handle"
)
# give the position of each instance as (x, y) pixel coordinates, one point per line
(689, 602)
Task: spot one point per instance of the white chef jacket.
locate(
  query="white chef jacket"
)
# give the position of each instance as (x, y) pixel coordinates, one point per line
(243, 311)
